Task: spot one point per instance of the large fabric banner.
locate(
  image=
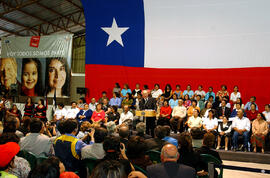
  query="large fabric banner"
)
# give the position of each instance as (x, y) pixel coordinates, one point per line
(194, 42)
(37, 65)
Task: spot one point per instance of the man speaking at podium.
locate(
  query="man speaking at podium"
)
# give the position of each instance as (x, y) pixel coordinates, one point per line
(148, 103)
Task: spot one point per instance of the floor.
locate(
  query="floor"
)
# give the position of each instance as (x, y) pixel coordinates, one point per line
(227, 173)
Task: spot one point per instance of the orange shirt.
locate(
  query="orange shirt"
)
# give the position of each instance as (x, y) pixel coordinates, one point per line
(191, 109)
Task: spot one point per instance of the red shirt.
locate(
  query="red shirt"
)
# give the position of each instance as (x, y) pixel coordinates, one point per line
(252, 115)
(166, 110)
(98, 115)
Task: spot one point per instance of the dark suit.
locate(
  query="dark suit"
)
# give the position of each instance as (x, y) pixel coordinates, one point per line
(170, 170)
(227, 112)
(87, 114)
(150, 121)
(155, 144)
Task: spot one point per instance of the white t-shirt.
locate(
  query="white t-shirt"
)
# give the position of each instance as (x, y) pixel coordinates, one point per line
(210, 123)
(243, 123)
(72, 113)
(202, 93)
(235, 96)
(126, 116)
(156, 93)
(60, 113)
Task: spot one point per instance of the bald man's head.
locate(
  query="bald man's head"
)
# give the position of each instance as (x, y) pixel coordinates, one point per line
(169, 152)
(124, 131)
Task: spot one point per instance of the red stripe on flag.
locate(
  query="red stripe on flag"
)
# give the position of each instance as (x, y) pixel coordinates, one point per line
(251, 81)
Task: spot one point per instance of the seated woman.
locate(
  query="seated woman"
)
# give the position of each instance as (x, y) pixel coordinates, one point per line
(165, 114)
(113, 115)
(98, 116)
(136, 152)
(224, 131)
(40, 111)
(156, 92)
(189, 92)
(174, 101)
(210, 123)
(252, 113)
(168, 92)
(235, 94)
(188, 156)
(187, 101)
(14, 111)
(178, 91)
(266, 113)
(223, 92)
(194, 122)
(29, 107)
(125, 90)
(127, 100)
(259, 131)
(239, 100)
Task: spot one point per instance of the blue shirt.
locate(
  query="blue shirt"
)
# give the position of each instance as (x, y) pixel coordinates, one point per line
(190, 93)
(79, 145)
(125, 91)
(247, 106)
(173, 103)
(171, 140)
(208, 94)
(115, 102)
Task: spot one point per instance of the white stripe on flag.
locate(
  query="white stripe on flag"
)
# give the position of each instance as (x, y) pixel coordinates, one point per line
(207, 34)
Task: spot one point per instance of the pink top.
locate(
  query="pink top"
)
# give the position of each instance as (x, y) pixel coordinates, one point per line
(98, 116)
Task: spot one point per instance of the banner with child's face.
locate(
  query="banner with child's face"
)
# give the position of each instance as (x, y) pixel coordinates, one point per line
(36, 66)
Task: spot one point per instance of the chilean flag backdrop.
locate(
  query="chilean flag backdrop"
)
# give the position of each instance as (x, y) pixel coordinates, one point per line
(209, 42)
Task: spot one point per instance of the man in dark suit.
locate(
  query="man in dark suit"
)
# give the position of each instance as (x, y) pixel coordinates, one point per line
(169, 167)
(84, 114)
(150, 104)
(223, 110)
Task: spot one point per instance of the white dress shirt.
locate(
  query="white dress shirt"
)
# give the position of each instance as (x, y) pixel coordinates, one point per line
(210, 123)
(72, 113)
(60, 113)
(92, 106)
(241, 124)
(179, 111)
(125, 116)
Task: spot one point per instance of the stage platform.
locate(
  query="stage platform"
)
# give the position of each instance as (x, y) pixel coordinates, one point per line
(245, 156)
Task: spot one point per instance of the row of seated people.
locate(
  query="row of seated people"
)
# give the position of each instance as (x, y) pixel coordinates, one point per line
(105, 143)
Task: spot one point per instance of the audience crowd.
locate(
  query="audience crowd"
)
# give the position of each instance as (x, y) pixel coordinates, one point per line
(120, 142)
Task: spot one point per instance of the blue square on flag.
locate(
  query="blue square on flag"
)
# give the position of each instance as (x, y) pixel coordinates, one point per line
(114, 32)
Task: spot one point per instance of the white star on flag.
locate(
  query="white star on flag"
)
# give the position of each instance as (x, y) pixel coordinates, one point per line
(115, 33)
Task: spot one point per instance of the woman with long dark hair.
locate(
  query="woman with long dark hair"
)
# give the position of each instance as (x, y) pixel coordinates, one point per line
(57, 77)
(40, 111)
(29, 107)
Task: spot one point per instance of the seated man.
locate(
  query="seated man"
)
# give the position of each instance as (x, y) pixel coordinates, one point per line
(178, 115)
(96, 149)
(169, 167)
(241, 126)
(68, 147)
(251, 101)
(85, 114)
(223, 110)
(124, 134)
(73, 111)
(35, 142)
(126, 115)
(60, 113)
(157, 143)
(141, 128)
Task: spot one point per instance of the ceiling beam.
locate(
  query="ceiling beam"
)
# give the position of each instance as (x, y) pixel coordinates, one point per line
(18, 24)
(10, 32)
(40, 26)
(61, 15)
(41, 19)
(17, 7)
(74, 4)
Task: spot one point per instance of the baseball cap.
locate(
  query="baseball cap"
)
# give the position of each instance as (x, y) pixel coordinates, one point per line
(7, 153)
